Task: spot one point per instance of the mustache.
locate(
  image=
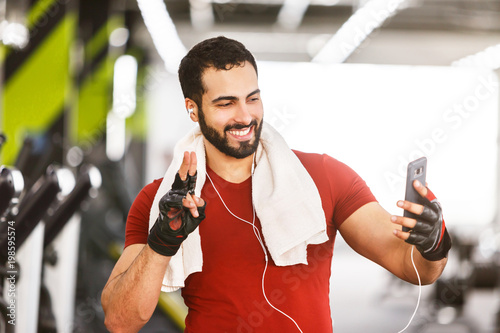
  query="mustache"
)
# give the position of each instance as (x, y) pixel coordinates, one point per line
(239, 126)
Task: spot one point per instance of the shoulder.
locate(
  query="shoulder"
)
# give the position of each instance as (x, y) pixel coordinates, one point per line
(154, 184)
(340, 187)
(329, 173)
(317, 163)
(145, 197)
(136, 230)
(150, 189)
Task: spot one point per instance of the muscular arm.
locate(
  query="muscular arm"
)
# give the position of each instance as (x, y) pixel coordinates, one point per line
(369, 232)
(133, 288)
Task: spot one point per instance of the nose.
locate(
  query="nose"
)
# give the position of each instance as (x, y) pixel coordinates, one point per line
(242, 114)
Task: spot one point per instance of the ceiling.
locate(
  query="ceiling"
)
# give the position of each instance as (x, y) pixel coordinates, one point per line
(423, 32)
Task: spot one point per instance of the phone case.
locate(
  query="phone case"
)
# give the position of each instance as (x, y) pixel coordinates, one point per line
(417, 170)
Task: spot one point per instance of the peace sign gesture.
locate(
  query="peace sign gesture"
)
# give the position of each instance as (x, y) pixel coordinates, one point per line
(181, 211)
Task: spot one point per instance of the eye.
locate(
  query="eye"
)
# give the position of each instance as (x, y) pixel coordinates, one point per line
(224, 105)
(254, 99)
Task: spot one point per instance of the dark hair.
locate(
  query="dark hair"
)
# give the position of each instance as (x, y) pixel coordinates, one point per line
(220, 53)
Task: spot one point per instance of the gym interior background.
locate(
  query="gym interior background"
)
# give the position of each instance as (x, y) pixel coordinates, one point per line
(91, 109)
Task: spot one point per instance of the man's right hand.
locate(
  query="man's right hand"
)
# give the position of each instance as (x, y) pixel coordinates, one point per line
(180, 210)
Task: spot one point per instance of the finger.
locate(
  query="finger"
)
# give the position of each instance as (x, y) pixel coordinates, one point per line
(192, 183)
(189, 203)
(183, 170)
(411, 207)
(401, 234)
(175, 199)
(193, 164)
(416, 239)
(429, 214)
(403, 221)
(422, 190)
(423, 228)
(199, 201)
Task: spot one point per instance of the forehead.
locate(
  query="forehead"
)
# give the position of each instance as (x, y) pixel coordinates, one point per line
(239, 80)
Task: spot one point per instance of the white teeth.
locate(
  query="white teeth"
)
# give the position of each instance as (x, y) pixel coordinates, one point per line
(240, 133)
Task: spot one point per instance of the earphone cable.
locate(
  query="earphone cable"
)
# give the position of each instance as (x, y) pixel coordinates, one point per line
(419, 292)
(259, 238)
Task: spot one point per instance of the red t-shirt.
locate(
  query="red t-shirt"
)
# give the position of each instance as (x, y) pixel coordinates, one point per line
(227, 295)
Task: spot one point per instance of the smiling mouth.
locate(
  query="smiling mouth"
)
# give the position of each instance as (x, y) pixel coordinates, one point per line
(241, 133)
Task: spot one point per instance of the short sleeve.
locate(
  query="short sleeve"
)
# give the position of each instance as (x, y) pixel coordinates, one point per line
(136, 230)
(341, 189)
(349, 191)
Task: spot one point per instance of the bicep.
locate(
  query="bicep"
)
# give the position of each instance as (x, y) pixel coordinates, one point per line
(369, 232)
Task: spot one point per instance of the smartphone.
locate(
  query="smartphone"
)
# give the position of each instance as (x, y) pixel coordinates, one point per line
(417, 170)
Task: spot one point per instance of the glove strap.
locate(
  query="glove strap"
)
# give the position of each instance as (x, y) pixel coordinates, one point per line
(163, 244)
(444, 243)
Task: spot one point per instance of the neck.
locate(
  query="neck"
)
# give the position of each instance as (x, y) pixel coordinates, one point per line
(231, 169)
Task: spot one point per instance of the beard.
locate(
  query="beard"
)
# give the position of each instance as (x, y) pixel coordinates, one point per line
(221, 141)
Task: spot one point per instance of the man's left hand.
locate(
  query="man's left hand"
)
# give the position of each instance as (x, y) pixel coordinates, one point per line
(427, 231)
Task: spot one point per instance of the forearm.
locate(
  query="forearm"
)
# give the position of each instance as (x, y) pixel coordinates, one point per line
(429, 271)
(130, 298)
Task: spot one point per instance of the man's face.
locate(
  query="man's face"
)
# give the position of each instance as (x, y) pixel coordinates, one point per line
(230, 117)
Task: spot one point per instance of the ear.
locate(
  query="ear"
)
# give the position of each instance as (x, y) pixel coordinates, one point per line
(192, 109)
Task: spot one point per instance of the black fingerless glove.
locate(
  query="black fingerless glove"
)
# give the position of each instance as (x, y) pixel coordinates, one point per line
(429, 235)
(175, 221)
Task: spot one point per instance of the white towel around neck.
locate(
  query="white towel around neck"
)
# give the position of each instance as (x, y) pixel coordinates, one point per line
(285, 197)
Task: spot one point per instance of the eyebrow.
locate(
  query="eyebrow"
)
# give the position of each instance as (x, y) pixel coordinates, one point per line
(234, 98)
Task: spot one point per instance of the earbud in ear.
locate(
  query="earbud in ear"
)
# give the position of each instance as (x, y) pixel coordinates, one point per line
(190, 111)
